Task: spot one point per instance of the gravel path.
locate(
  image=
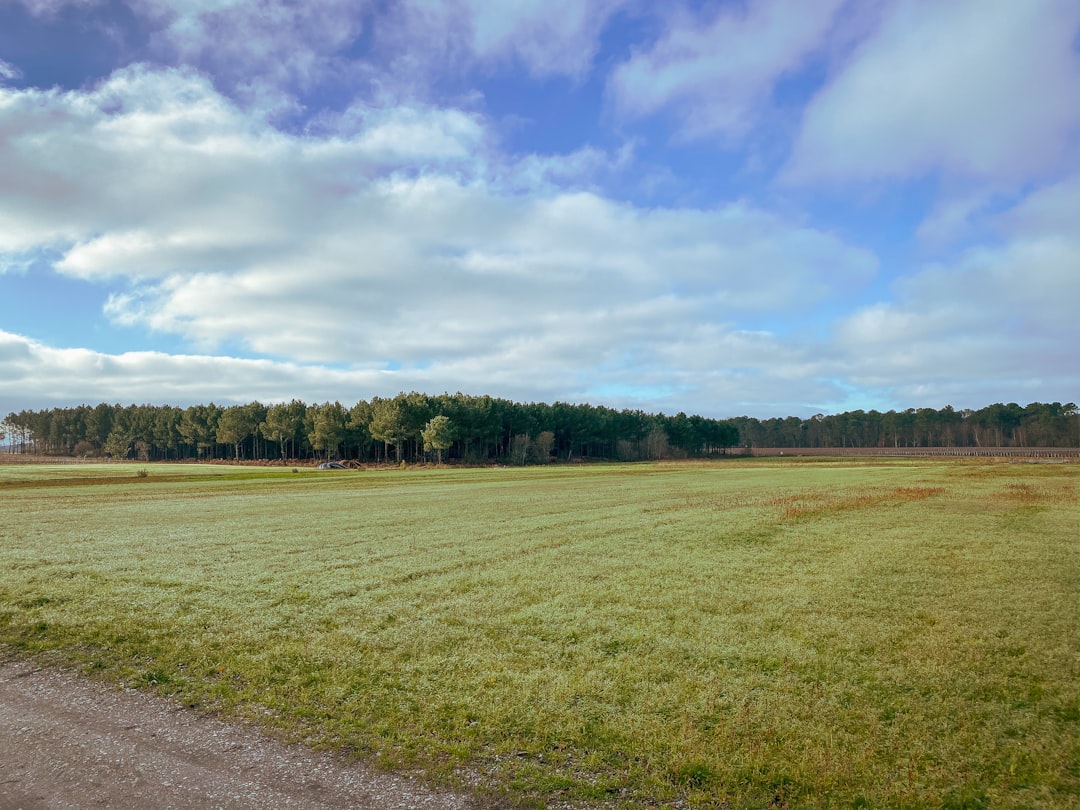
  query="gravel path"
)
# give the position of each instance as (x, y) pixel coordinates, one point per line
(66, 742)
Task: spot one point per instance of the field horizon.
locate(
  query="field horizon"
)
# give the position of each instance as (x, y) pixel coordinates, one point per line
(751, 632)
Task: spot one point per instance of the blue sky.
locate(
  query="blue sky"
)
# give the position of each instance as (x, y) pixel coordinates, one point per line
(761, 207)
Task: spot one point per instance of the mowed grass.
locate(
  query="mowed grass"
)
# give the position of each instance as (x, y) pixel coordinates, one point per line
(739, 634)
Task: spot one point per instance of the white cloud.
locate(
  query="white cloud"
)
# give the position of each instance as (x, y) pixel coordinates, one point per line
(1053, 210)
(271, 54)
(265, 54)
(550, 37)
(47, 8)
(408, 133)
(293, 46)
(393, 233)
(8, 71)
(717, 75)
(434, 269)
(421, 40)
(259, 49)
(37, 374)
(952, 218)
(578, 169)
(80, 166)
(985, 92)
(1001, 318)
(396, 242)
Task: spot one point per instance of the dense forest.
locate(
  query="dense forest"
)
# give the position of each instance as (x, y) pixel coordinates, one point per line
(998, 425)
(415, 427)
(408, 427)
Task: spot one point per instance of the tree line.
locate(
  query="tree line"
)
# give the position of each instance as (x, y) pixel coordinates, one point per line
(998, 425)
(482, 429)
(408, 427)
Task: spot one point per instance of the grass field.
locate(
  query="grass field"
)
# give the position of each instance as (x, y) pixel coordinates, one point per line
(750, 633)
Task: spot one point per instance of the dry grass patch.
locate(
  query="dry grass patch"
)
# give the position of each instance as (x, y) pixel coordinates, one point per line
(823, 503)
(730, 635)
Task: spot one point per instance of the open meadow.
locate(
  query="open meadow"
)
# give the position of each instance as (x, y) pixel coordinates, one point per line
(745, 633)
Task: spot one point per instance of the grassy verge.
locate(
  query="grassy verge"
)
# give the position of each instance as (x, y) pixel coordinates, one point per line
(747, 634)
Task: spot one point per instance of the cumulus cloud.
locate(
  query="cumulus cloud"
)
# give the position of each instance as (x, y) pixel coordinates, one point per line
(266, 52)
(271, 55)
(415, 269)
(579, 169)
(716, 75)
(1001, 317)
(404, 133)
(272, 52)
(981, 92)
(36, 373)
(39, 373)
(389, 244)
(70, 159)
(385, 243)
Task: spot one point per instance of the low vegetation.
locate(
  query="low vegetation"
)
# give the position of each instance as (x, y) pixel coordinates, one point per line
(749, 633)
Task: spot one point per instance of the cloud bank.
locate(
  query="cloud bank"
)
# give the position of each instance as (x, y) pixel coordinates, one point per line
(300, 240)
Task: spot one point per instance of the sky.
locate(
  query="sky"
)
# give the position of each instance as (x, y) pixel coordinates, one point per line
(730, 207)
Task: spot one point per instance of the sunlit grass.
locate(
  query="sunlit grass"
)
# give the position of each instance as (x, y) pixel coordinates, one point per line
(741, 634)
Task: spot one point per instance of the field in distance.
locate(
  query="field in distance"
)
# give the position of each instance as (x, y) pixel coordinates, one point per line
(748, 633)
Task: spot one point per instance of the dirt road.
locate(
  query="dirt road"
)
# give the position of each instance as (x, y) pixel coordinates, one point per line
(66, 742)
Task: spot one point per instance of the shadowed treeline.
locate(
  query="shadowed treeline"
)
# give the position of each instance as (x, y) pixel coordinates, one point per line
(474, 429)
(1037, 425)
(406, 427)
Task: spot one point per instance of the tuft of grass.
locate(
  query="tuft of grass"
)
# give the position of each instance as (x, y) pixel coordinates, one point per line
(846, 633)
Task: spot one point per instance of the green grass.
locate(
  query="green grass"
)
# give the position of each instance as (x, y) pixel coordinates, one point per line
(742, 634)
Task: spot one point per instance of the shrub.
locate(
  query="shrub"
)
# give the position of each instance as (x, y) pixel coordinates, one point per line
(84, 449)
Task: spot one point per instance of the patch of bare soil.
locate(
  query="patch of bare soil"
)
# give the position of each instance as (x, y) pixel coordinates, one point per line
(66, 742)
